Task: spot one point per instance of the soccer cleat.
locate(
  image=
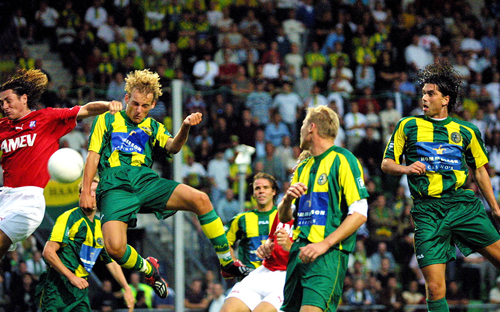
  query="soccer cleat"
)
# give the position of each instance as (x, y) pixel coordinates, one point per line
(235, 269)
(156, 281)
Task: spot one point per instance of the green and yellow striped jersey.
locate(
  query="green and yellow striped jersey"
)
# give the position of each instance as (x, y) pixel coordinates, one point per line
(251, 229)
(81, 239)
(446, 147)
(334, 181)
(119, 141)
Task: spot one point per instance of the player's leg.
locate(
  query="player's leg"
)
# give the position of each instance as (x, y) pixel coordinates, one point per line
(492, 253)
(265, 306)
(187, 198)
(435, 285)
(233, 304)
(5, 243)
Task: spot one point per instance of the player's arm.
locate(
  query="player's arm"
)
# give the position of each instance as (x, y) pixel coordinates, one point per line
(117, 273)
(50, 254)
(175, 144)
(99, 107)
(87, 201)
(389, 166)
(285, 212)
(483, 181)
(358, 215)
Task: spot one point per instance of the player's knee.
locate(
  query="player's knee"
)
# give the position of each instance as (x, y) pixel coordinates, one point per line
(436, 290)
(115, 252)
(201, 202)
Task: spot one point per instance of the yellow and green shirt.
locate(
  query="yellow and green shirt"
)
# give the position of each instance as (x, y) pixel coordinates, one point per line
(447, 148)
(251, 229)
(334, 181)
(120, 141)
(81, 239)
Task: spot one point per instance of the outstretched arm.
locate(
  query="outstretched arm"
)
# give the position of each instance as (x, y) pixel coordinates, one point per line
(117, 273)
(99, 107)
(175, 144)
(50, 254)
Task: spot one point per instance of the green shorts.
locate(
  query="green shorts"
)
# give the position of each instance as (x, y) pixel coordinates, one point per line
(127, 190)
(441, 224)
(318, 283)
(55, 293)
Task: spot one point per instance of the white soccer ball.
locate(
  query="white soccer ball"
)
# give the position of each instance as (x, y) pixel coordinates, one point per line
(66, 165)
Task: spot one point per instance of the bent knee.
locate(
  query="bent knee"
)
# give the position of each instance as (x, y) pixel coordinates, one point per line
(436, 290)
(200, 202)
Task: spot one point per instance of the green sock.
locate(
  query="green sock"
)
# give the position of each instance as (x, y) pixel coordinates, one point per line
(213, 228)
(132, 260)
(440, 305)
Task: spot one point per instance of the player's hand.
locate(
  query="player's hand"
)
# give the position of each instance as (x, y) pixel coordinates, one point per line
(129, 298)
(193, 119)
(79, 282)
(283, 239)
(416, 168)
(114, 107)
(310, 252)
(87, 201)
(295, 191)
(265, 250)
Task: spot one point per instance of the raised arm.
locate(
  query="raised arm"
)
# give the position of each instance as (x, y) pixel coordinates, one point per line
(117, 273)
(50, 254)
(99, 107)
(285, 212)
(175, 144)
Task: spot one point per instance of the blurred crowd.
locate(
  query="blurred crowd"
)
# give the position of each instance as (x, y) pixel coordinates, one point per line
(251, 67)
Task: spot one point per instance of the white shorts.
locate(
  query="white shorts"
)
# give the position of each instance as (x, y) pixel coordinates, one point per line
(260, 285)
(21, 211)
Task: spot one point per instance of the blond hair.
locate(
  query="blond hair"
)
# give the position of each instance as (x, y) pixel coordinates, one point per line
(80, 185)
(144, 81)
(325, 119)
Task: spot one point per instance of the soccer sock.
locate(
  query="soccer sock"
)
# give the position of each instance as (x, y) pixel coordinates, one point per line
(440, 305)
(132, 260)
(212, 226)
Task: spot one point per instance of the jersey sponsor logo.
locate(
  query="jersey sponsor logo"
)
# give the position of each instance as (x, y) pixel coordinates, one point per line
(20, 128)
(135, 141)
(288, 228)
(88, 256)
(439, 156)
(253, 244)
(456, 137)
(263, 222)
(313, 209)
(11, 145)
(33, 124)
(322, 179)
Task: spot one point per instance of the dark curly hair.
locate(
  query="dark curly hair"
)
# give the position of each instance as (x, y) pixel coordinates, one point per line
(447, 80)
(32, 82)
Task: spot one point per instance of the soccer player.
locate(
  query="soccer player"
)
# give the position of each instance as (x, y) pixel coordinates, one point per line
(251, 228)
(74, 245)
(120, 149)
(262, 289)
(27, 140)
(330, 199)
(438, 151)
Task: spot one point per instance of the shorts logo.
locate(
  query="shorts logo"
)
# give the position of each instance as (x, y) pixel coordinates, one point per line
(421, 256)
(456, 137)
(322, 179)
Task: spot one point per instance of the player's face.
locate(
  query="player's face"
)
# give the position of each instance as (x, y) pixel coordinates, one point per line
(139, 105)
(434, 103)
(13, 105)
(305, 135)
(263, 193)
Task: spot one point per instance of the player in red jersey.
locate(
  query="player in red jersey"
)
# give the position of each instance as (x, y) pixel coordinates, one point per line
(27, 140)
(262, 289)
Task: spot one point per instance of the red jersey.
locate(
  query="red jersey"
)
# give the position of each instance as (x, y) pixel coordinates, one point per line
(28, 142)
(279, 257)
